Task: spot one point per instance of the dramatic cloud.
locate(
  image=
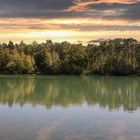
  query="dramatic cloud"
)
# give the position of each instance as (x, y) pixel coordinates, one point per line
(70, 8)
(82, 16)
(118, 10)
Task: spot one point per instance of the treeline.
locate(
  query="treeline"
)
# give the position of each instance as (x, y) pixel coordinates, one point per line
(110, 57)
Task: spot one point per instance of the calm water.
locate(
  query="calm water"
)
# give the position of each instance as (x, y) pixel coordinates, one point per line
(69, 108)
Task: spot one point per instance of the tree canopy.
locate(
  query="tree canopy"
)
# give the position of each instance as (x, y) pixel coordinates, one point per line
(111, 57)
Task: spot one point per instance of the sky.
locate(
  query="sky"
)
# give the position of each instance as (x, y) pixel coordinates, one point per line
(70, 20)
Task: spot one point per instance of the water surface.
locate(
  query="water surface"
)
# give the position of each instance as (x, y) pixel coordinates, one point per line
(69, 108)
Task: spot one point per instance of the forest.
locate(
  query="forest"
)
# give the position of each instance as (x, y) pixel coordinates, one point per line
(111, 57)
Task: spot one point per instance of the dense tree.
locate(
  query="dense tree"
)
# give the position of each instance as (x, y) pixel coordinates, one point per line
(75, 61)
(47, 62)
(28, 64)
(113, 57)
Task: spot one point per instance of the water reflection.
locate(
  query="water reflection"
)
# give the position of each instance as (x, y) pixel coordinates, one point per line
(110, 92)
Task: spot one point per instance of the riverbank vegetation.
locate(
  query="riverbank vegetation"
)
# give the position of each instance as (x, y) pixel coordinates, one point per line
(109, 57)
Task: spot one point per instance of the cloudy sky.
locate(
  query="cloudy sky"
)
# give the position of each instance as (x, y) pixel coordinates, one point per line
(71, 20)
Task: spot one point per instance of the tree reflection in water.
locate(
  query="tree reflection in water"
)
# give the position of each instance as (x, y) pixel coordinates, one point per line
(110, 92)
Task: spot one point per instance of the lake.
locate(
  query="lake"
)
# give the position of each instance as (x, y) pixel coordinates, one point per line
(69, 108)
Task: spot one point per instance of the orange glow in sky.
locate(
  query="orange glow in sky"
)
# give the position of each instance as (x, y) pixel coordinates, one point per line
(72, 20)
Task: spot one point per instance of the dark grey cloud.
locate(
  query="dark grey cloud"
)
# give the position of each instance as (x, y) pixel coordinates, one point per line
(33, 8)
(38, 4)
(123, 11)
(56, 9)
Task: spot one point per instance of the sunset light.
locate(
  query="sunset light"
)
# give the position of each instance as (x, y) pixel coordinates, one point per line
(69, 69)
(74, 20)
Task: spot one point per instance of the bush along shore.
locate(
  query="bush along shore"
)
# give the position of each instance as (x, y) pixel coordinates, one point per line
(110, 57)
